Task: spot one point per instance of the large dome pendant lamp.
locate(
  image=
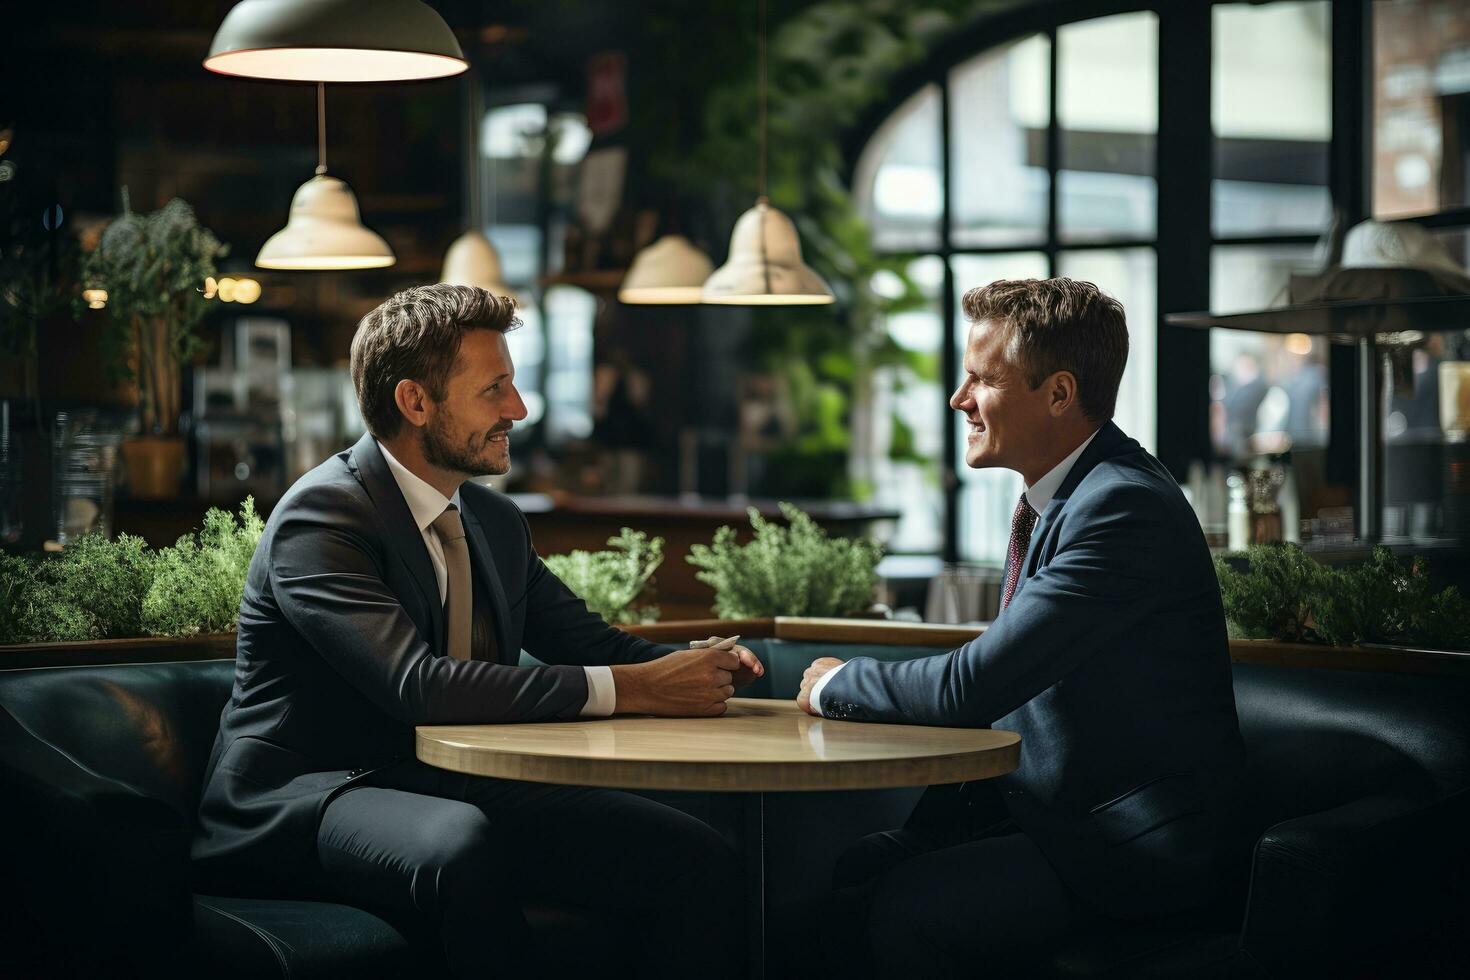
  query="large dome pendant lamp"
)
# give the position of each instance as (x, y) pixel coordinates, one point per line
(472, 259)
(765, 267)
(335, 41)
(324, 230)
(670, 271)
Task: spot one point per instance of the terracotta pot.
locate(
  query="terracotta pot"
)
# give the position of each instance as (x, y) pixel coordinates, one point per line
(154, 466)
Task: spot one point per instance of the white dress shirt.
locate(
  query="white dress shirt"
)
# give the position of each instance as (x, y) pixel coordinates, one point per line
(426, 504)
(1038, 495)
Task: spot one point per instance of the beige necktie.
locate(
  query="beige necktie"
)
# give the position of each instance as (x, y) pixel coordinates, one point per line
(458, 602)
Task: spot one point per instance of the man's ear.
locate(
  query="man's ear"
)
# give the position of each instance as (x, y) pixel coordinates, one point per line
(1062, 392)
(413, 402)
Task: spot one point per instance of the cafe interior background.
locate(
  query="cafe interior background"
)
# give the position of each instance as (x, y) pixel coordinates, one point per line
(1205, 163)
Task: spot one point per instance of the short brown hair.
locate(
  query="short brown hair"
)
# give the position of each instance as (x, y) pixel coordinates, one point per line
(415, 334)
(1059, 325)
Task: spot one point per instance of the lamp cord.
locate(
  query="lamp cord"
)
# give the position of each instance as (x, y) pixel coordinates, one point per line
(761, 100)
(321, 128)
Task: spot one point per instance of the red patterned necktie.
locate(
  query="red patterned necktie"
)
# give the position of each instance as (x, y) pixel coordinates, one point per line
(1023, 522)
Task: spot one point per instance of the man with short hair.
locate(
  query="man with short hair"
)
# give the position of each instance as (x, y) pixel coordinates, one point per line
(1109, 658)
(388, 592)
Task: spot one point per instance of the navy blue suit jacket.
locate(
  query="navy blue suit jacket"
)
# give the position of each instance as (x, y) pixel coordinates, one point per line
(1111, 662)
(341, 652)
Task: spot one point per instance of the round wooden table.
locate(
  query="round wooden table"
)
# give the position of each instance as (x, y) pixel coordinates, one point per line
(758, 746)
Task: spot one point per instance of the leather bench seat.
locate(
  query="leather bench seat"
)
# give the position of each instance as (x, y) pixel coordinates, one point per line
(1359, 789)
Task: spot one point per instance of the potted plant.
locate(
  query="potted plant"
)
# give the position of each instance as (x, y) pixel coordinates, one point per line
(612, 582)
(788, 571)
(152, 268)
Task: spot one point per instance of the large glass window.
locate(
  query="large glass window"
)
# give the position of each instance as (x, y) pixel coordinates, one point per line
(1271, 111)
(999, 109)
(1108, 111)
(1001, 183)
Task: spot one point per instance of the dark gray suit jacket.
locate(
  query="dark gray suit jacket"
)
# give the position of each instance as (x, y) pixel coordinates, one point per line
(1111, 662)
(341, 653)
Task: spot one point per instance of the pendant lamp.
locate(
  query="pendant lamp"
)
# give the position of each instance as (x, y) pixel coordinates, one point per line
(671, 270)
(335, 41)
(765, 267)
(472, 259)
(324, 230)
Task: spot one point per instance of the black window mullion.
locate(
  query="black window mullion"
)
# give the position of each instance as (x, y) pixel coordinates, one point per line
(1053, 152)
(948, 360)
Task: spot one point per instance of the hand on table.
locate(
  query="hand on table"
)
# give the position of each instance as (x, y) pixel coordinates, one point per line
(809, 679)
(750, 665)
(689, 683)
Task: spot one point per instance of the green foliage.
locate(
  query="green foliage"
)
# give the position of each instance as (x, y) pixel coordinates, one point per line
(1273, 599)
(1287, 595)
(787, 571)
(98, 589)
(610, 582)
(91, 591)
(197, 585)
(153, 268)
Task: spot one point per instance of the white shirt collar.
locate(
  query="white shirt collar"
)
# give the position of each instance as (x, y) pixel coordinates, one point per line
(424, 502)
(1039, 494)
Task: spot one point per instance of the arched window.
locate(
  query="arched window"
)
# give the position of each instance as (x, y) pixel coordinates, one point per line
(1037, 157)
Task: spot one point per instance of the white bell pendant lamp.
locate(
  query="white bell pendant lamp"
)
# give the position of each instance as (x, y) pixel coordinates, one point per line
(335, 41)
(472, 259)
(765, 267)
(670, 271)
(324, 230)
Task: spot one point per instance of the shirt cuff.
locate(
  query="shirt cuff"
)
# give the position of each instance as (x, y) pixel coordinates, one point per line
(602, 694)
(821, 684)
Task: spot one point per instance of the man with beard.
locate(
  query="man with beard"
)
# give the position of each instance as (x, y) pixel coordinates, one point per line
(388, 592)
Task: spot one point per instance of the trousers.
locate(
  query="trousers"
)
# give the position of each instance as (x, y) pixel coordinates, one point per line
(454, 860)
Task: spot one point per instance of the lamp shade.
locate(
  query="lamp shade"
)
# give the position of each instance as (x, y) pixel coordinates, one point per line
(335, 41)
(473, 261)
(669, 271)
(765, 266)
(324, 231)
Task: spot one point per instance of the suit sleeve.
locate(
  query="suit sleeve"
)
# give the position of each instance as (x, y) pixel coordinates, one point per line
(1100, 584)
(325, 577)
(560, 629)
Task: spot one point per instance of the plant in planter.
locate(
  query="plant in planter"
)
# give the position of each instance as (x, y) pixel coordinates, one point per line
(197, 585)
(1285, 594)
(611, 581)
(91, 591)
(788, 571)
(97, 589)
(153, 268)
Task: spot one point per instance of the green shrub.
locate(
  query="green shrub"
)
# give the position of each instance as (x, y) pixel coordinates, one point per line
(197, 585)
(788, 571)
(611, 581)
(17, 585)
(91, 591)
(1287, 595)
(1274, 598)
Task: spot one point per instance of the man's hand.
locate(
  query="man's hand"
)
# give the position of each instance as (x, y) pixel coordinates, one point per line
(684, 684)
(809, 679)
(750, 665)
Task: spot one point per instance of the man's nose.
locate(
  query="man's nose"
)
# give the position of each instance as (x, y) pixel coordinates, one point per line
(958, 399)
(517, 405)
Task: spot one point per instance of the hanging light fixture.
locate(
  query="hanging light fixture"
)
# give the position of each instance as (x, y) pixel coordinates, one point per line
(671, 270)
(472, 259)
(335, 41)
(765, 267)
(324, 230)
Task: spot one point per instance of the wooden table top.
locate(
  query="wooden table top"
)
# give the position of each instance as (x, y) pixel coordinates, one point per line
(758, 745)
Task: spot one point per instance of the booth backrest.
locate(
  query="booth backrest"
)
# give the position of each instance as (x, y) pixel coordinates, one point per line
(147, 727)
(1317, 738)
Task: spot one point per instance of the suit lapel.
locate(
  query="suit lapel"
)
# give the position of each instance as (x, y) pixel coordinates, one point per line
(1109, 441)
(485, 561)
(403, 536)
